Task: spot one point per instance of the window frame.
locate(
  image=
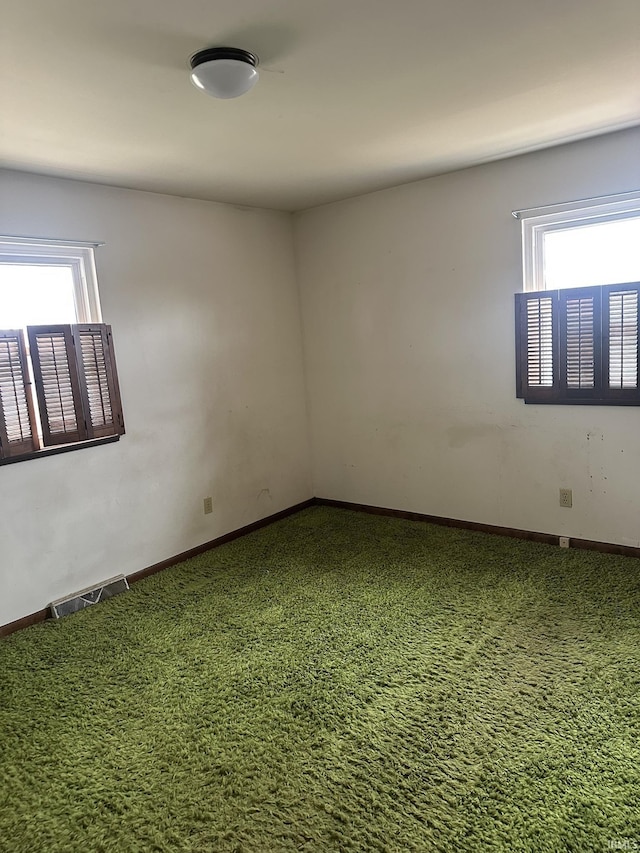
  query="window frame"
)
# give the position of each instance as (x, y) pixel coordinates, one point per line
(79, 258)
(536, 222)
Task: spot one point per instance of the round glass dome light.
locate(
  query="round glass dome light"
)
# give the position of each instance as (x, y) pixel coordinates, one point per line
(224, 72)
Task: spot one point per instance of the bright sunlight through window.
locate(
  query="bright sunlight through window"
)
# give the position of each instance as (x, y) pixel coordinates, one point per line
(32, 295)
(605, 253)
(43, 284)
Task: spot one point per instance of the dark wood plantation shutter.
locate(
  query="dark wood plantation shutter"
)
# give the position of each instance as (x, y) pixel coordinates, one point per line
(621, 342)
(537, 375)
(579, 345)
(17, 430)
(76, 381)
(98, 380)
(57, 384)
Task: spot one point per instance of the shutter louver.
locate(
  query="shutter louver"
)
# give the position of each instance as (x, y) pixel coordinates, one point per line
(623, 339)
(17, 421)
(98, 380)
(539, 343)
(56, 378)
(621, 343)
(580, 343)
(536, 346)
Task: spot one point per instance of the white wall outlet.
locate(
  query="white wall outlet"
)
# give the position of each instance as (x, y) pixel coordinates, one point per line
(208, 505)
(566, 497)
(564, 541)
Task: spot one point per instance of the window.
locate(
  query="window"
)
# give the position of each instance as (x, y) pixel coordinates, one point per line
(577, 321)
(52, 341)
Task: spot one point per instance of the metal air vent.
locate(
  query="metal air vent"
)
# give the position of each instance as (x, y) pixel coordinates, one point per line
(87, 597)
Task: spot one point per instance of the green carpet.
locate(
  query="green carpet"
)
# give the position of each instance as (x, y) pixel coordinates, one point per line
(334, 682)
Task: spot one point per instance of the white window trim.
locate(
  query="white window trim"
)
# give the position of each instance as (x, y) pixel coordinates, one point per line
(557, 217)
(80, 259)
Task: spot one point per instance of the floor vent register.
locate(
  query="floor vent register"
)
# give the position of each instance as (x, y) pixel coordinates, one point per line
(87, 597)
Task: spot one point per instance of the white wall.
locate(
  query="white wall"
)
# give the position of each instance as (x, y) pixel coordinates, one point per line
(407, 299)
(204, 307)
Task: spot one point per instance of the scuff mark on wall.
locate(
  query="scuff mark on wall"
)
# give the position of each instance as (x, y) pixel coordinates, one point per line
(458, 436)
(594, 469)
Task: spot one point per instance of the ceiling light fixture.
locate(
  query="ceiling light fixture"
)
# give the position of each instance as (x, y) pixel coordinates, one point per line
(224, 72)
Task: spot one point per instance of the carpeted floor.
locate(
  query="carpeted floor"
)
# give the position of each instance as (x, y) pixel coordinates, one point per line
(334, 682)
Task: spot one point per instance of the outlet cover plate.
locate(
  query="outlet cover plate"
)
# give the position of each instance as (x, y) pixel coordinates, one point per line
(566, 497)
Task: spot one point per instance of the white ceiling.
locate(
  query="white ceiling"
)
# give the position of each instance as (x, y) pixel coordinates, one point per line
(363, 94)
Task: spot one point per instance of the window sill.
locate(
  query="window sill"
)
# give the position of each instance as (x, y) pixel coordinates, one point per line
(60, 448)
(580, 402)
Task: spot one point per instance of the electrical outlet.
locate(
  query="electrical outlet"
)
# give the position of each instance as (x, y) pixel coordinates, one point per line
(566, 497)
(563, 541)
(208, 505)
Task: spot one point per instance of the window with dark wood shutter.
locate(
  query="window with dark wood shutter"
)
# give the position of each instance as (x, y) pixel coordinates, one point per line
(58, 383)
(579, 345)
(98, 380)
(17, 422)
